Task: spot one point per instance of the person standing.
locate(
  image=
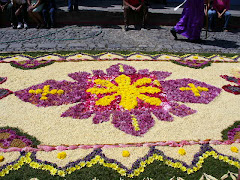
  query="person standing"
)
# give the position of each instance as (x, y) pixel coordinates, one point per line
(192, 20)
(220, 8)
(139, 8)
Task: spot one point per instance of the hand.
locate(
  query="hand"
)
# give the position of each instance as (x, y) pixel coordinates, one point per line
(30, 8)
(219, 15)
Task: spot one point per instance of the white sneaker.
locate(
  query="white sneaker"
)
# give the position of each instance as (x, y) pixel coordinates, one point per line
(19, 26)
(25, 26)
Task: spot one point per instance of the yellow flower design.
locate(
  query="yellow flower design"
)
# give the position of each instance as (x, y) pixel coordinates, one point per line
(128, 92)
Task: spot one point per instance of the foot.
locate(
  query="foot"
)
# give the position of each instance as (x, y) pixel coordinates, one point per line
(225, 30)
(13, 26)
(126, 28)
(144, 26)
(174, 33)
(210, 30)
(25, 26)
(19, 26)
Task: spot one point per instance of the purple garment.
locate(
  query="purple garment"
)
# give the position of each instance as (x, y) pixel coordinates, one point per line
(191, 22)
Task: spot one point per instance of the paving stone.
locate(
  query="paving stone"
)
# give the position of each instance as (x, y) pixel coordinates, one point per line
(15, 46)
(112, 38)
(3, 46)
(47, 45)
(28, 45)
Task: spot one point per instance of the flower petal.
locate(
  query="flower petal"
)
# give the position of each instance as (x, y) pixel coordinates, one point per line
(136, 122)
(80, 76)
(4, 93)
(101, 117)
(161, 75)
(71, 92)
(80, 111)
(119, 69)
(162, 115)
(98, 73)
(2, 79)
(181, 110)
(172, 89)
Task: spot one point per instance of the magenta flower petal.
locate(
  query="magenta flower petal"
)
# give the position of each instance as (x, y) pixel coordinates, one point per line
(79, 76)
(101, 117)
(124, 121)
(162, 115)
(172, 89)
(80, 111)
(115, 70)
(181, 110)
(161, 75)
(98, 73)
(73, 92)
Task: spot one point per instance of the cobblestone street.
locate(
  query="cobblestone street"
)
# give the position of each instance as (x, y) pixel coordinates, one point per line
(110, 38)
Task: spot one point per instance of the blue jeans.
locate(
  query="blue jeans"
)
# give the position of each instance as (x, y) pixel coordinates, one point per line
(212, 15)
(72, 5)
(49, 16)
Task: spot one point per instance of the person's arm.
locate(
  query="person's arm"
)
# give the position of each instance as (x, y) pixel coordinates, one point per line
(5, 5)
(37, 4)
(129, 5)
(17, 12)
(221, 14)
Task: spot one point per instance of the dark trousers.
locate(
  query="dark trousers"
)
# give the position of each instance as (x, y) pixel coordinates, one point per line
(49, 16)
(72, 5)
(7, 10)
(22, 17)
(142, 15)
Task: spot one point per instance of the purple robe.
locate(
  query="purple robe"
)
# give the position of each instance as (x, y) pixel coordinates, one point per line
(191, 22)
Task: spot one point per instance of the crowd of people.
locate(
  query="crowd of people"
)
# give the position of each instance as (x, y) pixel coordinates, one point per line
(42, 12)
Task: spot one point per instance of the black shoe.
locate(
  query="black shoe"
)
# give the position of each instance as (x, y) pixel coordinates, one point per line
(126, 28)
(174, 33)
(145, 27)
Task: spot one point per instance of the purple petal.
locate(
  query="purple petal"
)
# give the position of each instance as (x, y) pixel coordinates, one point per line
(124, 121)
(73, 92)
(161, 75)
(98, 73)
(162, 115)
(114, 70)
(80, 111)
(143, 71)
(101, 117)
(80, 76)
(181, 110)
(172, 89)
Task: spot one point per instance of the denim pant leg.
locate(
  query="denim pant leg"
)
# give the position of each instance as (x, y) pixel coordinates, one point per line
(211, 18)
(70, 5)
(45, 15)
(52, 16)
(227, 17)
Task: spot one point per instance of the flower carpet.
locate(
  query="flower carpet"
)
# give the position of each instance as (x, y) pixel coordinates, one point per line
(115, 116)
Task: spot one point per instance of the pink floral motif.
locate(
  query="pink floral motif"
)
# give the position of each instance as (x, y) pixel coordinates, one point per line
(123, 95)
(4, 92)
